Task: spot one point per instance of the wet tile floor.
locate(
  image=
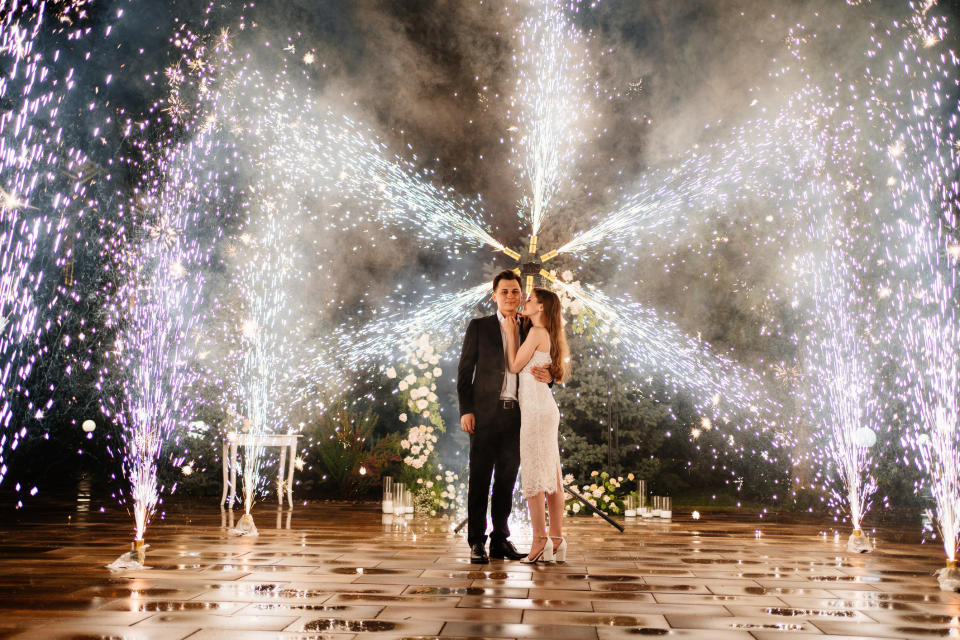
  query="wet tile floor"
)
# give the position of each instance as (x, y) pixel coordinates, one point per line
(341, 571)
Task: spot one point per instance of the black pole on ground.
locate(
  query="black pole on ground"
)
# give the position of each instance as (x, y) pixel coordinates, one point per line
(575, 495)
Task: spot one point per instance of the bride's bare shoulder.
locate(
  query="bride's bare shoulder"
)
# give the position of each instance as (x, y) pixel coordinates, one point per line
(542, 335)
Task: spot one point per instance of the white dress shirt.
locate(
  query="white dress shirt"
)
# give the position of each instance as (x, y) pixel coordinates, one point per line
(509, 389)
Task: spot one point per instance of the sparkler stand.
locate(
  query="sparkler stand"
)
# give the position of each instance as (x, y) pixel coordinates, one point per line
(949, 577)
(574, 497)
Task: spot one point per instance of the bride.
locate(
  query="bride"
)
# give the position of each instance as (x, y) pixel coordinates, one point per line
(540, 474)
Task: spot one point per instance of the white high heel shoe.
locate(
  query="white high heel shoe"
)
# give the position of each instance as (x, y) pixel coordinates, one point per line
(560, 554)
(545, 555)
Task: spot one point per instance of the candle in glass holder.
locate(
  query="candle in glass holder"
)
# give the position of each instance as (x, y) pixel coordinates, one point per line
(630, 507)
(387, 504)
(666, 508)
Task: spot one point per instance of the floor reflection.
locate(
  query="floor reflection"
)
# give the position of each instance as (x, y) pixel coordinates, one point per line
(349, 571)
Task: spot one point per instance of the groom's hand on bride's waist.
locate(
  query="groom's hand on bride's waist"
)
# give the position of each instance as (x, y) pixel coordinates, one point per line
(541, 374)
(468, 422)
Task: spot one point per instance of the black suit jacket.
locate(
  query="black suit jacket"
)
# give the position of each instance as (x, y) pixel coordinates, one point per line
(481, 369)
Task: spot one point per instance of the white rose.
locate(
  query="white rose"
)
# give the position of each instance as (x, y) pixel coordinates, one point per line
(391, 373)
(422, 365)
(429, 484)
(422, 404)
(423, 391)
(434, 360)
(567, 275)
(427, 375)
(425, 414)
(405, 444)
(414, 393)
(576, 307)
(403, 385)
(403, 417)
(432, 397)
(415, 449)
(437, 371)
(410, 379)
(576, 507)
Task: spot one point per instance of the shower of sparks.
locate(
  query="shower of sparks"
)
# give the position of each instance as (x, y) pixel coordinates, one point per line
(354, 162)
(656, 347)
(387, 337)
(157, 306)
(842, 368)
(668, 204)
(156, 311)
(266, 343)
(39, 193)
(314, 164)
(551, 101)
(912, 85)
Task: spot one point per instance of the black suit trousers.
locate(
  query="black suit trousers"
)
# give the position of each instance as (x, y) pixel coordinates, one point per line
(494, 453)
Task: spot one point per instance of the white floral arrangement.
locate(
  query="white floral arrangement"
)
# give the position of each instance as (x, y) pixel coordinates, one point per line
(418, 446)
(605, 492)
(444, 492)
(417, 390)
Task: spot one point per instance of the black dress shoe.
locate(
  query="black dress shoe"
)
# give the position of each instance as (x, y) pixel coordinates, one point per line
(478, 555)
(505, 550)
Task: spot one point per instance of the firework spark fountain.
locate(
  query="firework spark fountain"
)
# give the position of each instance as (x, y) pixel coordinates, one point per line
(157, 307)
(842, 365)
(910, 89)
(156, 312)
(267, 346)
(39, 192)
(552, 99)
(654, 346)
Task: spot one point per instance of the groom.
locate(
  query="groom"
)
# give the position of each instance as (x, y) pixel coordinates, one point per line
(490, 413)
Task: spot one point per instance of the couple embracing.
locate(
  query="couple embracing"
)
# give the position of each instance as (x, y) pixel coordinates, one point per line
(508, 363)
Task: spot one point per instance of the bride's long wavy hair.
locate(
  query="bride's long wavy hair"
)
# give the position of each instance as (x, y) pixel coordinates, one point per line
(553, 321)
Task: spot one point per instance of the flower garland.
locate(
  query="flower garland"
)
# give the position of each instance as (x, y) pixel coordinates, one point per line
(420, 409)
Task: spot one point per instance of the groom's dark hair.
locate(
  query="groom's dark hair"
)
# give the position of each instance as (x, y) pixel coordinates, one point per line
(506, 274)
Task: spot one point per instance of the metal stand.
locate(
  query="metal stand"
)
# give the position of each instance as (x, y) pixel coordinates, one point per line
(574, 496)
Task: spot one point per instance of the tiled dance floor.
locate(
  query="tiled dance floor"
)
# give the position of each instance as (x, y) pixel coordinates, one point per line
(338, 571)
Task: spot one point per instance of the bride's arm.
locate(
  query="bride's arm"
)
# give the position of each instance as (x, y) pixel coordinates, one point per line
(518, 358)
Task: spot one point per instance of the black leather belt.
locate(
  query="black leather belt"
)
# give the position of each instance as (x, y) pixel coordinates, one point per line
(508, 404)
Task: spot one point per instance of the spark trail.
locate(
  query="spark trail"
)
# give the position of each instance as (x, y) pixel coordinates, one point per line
(266, 347)
(843, 396)
(336, 358)
(40, 191)
(552, 102)
(178, 209)
(912, 90)
(156, 311)
(654, 346)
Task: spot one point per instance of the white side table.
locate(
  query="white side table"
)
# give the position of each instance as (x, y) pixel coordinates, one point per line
(284, 442)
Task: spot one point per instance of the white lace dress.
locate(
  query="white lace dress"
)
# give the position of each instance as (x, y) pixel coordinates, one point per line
(539, 432)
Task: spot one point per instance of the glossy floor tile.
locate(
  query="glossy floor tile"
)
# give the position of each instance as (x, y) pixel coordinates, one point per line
(333, 570)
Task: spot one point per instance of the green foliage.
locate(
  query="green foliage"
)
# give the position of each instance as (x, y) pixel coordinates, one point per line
(607, 424)
(350, 457)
